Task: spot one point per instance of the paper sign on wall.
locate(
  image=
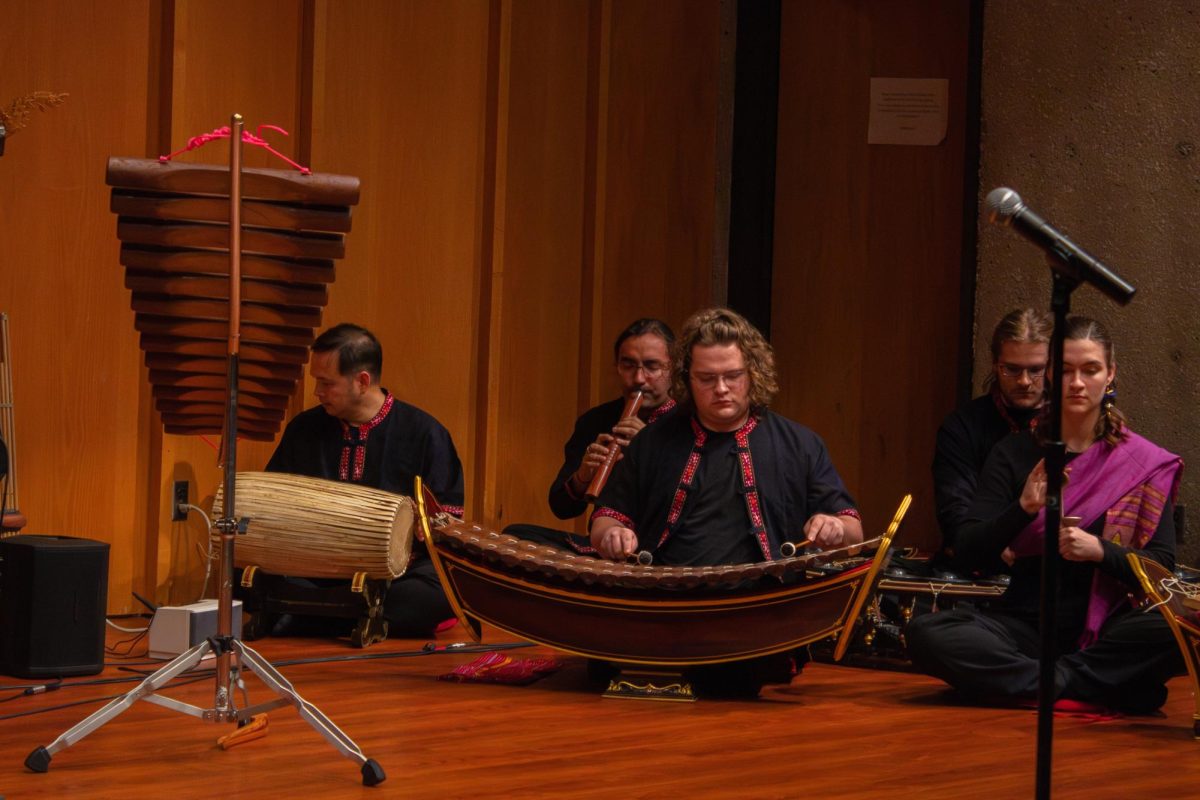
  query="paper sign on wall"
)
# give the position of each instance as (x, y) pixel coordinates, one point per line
(908, 111)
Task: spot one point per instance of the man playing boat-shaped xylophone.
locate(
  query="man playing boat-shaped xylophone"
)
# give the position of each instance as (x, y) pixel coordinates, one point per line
(723, 480)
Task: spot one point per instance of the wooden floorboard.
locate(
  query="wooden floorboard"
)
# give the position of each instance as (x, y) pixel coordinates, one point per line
(835, 732)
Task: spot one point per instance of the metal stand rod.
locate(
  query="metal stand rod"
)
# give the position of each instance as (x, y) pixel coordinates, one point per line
(1056, 459)
(230, 653)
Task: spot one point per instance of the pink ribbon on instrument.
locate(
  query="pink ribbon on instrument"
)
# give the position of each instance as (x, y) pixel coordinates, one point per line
(255, 139)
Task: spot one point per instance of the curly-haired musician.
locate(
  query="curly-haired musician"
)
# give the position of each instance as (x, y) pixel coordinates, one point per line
(723, 480)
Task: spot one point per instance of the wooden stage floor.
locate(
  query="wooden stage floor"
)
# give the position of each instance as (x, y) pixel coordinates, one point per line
(835, 732)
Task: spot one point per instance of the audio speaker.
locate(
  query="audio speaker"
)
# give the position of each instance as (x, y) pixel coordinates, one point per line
(53, 598)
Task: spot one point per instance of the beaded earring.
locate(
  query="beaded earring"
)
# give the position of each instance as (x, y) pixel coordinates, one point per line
(1108, 403)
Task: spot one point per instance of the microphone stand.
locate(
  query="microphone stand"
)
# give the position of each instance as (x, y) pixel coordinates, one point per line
(1056, 461)
(231, 653)
(1069, 267)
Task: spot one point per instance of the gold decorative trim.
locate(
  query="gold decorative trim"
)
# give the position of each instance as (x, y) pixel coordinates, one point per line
(472, 626)
(881, 558)
(667, 687)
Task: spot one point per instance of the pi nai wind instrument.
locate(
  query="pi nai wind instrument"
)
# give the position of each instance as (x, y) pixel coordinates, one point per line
(601, 477)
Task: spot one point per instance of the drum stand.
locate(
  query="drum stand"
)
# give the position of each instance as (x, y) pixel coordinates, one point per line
(231, 653)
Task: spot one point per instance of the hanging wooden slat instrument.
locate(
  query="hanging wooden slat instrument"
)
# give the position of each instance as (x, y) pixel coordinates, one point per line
(173, 223)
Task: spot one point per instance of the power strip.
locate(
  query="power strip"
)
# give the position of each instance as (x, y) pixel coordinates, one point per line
(176, 629)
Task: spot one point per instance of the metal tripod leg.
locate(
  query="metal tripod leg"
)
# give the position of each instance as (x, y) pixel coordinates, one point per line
(281, 686)
(39, 759)
(372, 772)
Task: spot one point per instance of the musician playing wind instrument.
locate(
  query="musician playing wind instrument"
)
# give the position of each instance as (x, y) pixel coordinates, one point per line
(723, 480)
(360, 433)
(642, 358)
(641, 355)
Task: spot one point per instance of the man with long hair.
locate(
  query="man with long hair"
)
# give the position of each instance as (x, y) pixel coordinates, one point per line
(1014, 390)
(723, 480)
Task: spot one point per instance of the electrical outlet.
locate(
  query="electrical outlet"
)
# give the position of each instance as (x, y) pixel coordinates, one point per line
(179, 497)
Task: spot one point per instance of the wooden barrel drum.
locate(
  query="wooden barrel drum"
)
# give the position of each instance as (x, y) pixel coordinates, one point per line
(313, 528)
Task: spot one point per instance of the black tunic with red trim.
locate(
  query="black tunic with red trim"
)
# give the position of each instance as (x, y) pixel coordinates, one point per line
(564, 501)
(388, 452)
(964, 440)
(699, 498)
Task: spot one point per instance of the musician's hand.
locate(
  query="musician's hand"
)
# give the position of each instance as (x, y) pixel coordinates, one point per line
(1076, 544)
(1033, 496)
(626, 428)
(825, 530)
(593, 457)
(1008, 556)
(615, 542)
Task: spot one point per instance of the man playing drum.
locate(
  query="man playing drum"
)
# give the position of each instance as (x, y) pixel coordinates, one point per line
(361, 433)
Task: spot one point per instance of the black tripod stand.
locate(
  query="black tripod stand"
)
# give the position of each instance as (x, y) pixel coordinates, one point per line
(232, 656)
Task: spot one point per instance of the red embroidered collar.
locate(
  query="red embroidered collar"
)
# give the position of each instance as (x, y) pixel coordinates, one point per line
(660, 411)
(1003, 409)
(354, 438)
(749, 485)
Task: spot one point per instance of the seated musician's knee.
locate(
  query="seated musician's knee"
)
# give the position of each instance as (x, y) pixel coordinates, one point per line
(921, 637)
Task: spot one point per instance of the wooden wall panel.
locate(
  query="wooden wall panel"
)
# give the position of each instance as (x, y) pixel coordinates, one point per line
(238, 57)
(660, 156)
(399, 102)
(75, 357)
(867, 247)
(539, 249)
(228, 57)
(625, 224)
(535, 174)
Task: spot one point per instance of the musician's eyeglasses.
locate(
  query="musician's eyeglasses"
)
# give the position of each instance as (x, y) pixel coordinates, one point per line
(1015, 371)
(708, 380)
(652, 368)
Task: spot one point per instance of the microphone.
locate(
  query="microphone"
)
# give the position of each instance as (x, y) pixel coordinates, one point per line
(1005, 207)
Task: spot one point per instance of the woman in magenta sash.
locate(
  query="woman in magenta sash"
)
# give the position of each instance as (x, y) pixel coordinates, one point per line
(1119, 495)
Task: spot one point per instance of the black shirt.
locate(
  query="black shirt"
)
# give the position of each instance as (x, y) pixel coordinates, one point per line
(996, 517)
(563, 500)
(717, 527)
(406, 443)
(653, 489)
(964, 440)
